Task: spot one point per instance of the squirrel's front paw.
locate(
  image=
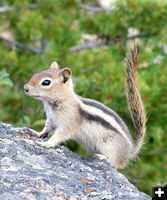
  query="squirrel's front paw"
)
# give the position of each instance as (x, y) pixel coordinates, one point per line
(32, 132)
(38, 134)
(100, 156)
(44, 135)
(47, 144)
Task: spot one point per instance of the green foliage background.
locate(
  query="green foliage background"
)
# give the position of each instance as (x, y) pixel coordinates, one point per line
(98, 72)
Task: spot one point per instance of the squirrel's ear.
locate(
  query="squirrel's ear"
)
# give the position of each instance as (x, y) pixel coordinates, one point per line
(54, 65)
(65, 74)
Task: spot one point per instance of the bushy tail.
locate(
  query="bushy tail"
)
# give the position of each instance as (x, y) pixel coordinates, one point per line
(136, 106)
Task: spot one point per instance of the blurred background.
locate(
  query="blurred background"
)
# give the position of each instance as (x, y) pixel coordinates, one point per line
(91, 38)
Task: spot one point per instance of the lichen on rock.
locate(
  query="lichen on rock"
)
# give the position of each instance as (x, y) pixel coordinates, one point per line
(28, 171)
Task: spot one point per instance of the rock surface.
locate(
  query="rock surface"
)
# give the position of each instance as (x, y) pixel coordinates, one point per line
(28, 171)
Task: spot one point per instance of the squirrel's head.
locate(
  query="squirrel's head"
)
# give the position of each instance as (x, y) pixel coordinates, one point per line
(50, 84)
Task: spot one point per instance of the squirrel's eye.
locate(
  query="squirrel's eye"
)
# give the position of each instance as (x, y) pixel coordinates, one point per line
(46, 82)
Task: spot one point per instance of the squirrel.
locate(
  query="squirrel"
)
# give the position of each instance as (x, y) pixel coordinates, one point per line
(92, 124)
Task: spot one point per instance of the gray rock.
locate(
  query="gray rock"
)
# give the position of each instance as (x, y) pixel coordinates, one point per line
(28, 171)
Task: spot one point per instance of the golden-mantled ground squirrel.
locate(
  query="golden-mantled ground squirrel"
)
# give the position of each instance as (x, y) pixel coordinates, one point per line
(95, 126)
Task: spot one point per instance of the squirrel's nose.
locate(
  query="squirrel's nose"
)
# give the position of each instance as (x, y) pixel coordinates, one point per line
(26, 88)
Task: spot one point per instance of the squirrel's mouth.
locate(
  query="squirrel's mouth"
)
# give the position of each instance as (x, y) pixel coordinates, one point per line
(36, 97)
(43, 99)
